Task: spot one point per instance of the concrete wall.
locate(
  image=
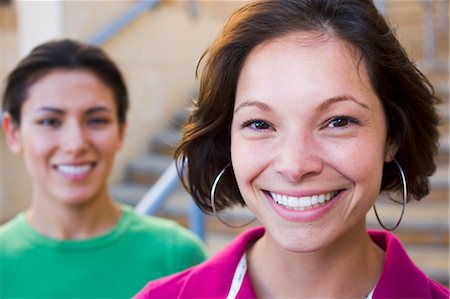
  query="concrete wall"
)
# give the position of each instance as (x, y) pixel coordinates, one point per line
(14, 181)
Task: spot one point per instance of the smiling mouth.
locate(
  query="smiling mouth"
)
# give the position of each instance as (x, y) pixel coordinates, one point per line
(303, 203)
(74, 169)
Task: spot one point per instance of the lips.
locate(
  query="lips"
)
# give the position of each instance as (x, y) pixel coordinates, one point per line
(303, 203)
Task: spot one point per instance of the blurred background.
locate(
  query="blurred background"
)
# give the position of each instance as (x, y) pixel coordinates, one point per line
(157, 44)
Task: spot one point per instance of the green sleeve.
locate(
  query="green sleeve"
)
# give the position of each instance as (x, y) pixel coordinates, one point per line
(188, 250)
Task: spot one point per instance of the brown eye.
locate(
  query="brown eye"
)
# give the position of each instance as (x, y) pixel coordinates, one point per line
(339, 122)
(257, 124)
(98, 121)
(49, 122)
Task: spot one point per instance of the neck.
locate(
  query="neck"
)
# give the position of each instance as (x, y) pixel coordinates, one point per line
(349, 268)
(65, 221)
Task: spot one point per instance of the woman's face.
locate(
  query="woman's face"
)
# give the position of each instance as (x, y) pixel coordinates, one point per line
(69, 134)
(308, 140)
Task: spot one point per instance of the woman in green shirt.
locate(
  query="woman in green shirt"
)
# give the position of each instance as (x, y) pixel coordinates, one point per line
(65, 110)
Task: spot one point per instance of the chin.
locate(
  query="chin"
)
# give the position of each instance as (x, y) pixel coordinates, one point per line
(302, 246)
(77, 198)
(297, 241)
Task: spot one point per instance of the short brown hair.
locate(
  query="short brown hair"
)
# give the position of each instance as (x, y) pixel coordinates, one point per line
(63, 54)
(407, 96)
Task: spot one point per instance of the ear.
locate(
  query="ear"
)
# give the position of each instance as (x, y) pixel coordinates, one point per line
(390, 151)
(12, 132)
(122, 133)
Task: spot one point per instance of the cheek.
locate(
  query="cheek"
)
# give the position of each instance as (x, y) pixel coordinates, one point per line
(249, 160)
(37, 154)
(107, 142)
(363, 165)
(237, 160)
(37, 146)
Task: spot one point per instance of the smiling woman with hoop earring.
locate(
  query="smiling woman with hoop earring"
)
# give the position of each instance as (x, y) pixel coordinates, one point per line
(307, 110)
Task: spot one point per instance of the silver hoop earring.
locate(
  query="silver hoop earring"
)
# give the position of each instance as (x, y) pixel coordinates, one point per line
(212, 197)
(405, 199)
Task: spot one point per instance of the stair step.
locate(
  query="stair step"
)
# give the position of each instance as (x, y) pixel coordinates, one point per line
(425, 222)
(177, 203)
(436, 70)
(442, 90)
(442, 157)
(433, 261)
(178, 119)
(147, 169)
(163, 142)
(129, 194)
(443, 111)
(439, 183)
(439, 180)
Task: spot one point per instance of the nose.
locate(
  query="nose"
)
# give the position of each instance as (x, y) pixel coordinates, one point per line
(298, 157)
(74, 139)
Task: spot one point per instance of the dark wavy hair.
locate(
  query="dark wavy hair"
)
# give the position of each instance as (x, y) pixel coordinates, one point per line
(406, 95)
(62, 54)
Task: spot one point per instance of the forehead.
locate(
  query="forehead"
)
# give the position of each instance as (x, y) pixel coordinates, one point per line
(306, 63)
(68, 89)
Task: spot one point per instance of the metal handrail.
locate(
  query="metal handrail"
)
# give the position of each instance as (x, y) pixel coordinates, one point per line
(154, 198)
(158, 194)
(124, 20)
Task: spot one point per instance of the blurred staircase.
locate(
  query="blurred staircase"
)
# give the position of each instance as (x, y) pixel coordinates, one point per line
(425, 226)
(143, 171)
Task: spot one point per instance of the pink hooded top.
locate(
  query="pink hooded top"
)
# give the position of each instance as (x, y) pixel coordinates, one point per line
(212, 279)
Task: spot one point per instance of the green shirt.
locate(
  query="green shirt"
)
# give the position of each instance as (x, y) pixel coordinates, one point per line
(116, 264)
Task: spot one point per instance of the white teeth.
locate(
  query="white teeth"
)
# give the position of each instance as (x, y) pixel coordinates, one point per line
(74, 170)
(293, 202)
(322, 198)
(302, 203)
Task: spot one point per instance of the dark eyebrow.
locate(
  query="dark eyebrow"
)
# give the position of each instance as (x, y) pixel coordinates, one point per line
(327, 103)
(321, 107)
(90, 111)
(51, 109)
(96, 109)
(258, 104)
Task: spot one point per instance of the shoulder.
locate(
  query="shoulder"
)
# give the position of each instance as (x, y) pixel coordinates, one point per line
(154, 233)
(210, 279)
(147, 224)
(12, 232)
(401, 278)
(168, 287)
(201, 281)
(11, 225)
(159, 228)
(437, 290)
